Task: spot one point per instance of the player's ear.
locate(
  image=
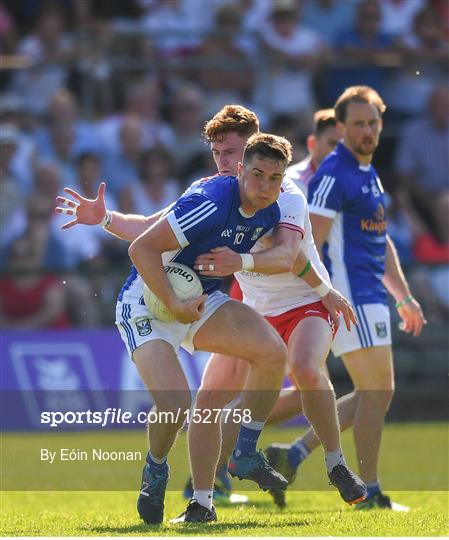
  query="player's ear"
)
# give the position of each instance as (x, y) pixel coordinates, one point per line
(340, 130)
(310, 143)
(239, 168)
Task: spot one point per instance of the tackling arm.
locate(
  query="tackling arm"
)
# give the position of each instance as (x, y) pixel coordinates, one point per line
(93, 212)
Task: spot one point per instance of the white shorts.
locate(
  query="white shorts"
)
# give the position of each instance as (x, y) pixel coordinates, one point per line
(373, 330)
(137, 324)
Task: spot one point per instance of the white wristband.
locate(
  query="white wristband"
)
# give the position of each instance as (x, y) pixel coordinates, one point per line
(106, 221)
(322, 289)
(247, 261)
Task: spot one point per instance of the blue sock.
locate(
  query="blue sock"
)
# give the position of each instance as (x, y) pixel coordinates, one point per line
(248, 436)
(297, 453)
(223, 475)
(373, 489)
(156, 466)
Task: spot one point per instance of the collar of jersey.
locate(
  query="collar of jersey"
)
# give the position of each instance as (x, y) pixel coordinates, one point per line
(244, 214)
(347, 154)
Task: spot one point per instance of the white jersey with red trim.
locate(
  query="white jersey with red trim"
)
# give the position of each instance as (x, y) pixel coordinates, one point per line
(274, 294)
(301, 173)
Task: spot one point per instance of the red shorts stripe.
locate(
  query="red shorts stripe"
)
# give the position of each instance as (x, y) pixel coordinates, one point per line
(287, 322)
(235, 292)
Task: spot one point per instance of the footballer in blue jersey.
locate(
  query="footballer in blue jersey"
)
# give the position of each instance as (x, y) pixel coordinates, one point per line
(223, 210)
(352, 195)
(347, 212)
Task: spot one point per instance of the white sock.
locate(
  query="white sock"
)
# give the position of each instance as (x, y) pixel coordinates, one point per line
(334, 458)
(204, 497)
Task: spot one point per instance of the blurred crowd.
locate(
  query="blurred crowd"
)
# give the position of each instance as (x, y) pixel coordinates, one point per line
(120, 90)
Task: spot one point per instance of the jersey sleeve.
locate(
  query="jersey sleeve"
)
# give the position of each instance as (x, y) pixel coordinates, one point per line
(326, 194)
(292, 211)
(192, 217)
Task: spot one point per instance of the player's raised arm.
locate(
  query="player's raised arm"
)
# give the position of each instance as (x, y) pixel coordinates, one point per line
(94, 212)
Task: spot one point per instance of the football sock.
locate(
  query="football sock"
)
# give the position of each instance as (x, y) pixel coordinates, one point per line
(373, 488)
(157, 465)
(248, 436)
(297, 453)
(334, 458)
(224, 477)
(203, 497)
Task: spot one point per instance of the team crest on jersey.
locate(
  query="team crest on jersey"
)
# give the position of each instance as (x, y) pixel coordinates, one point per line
(381, 329)
(143, 326)
(256, 233)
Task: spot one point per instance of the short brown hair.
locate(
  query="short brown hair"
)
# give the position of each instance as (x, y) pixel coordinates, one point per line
(322, 120)
(231, 119)
(268, 146)
(357, 94)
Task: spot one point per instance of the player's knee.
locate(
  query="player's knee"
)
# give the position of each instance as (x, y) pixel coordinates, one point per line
(213, 399)
(173, 405)
(273, 354)
(308, 374)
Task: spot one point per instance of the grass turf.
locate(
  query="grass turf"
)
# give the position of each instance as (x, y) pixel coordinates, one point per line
(413, 455)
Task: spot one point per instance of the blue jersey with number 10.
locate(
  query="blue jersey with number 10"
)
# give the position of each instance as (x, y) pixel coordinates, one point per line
(352, 195)
(207, 216)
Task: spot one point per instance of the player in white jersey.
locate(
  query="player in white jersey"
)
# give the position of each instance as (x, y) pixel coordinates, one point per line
(298, 314)
(320, 143)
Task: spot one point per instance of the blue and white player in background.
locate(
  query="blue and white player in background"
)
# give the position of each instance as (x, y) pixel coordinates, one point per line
(347, 212)
(224, 210)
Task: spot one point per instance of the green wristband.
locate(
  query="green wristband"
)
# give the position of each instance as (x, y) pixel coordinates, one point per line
(306, 268)
(406, 300)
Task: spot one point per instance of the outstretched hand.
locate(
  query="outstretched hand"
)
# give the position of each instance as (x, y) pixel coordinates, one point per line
(86, 211)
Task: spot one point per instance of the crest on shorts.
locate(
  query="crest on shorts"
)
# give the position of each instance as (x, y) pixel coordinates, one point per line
(143, 326)
(381, 329)
(256, 233)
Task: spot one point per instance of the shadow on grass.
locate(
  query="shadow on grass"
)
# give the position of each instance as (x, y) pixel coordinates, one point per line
(206, 529)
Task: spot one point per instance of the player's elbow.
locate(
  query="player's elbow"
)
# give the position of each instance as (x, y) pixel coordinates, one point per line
(287, 260)
(136, 248)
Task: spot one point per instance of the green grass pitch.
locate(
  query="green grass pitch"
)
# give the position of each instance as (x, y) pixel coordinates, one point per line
(414, 470)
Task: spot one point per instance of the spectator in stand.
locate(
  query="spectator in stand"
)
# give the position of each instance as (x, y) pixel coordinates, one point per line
(122, 168)
(35, 223)
(398, 15)
(176, 26)
(317, 14)
(365, 51)
(49, 51)
(63, 110)
(187, 118)
(426, 61)
(29, 297)
(157, 188)
(61, 151)
(143, 99)
(294, 54)
(227, 74)
(422, 164)
(13, 113)
(12, 197)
